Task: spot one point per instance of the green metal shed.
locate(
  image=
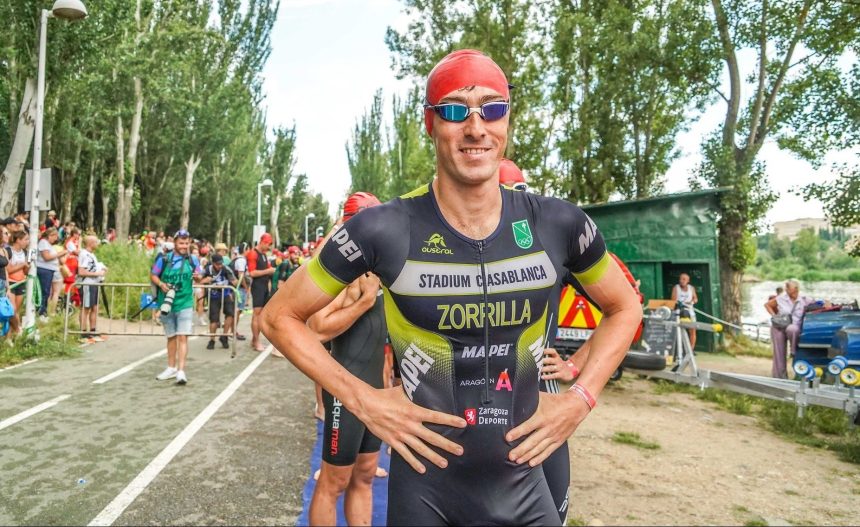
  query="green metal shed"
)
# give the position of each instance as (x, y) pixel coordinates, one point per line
(659, 238)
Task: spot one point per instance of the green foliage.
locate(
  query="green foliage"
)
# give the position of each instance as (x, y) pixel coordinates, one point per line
(841, 198)
(199, 65)
(126, 263)
(49, 346)
(804, 258)
(779, 248)
(633, 439)
(805, 247)
(411, 159)
(602, 88)
(393, 163)
(366, 152)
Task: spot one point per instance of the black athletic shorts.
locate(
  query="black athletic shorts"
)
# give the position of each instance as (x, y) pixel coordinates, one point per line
(89, 296)
(344, 436)
(216, 307)
(260, 293)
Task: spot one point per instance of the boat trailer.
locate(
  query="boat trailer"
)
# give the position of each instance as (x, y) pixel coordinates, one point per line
(805, 392)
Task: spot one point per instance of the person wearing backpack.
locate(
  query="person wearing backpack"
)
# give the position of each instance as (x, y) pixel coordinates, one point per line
(174, 274)
(220, 300)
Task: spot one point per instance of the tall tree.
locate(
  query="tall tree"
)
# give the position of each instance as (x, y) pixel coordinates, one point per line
(798, 45)
(282, 161)
(411, 161)
(365, 152)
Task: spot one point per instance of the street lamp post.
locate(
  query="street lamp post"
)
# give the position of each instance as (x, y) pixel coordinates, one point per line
(265, 183)
(310, 216)
(67, 10)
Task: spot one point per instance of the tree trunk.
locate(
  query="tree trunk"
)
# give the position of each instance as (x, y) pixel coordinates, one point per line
(273, 218)
(91, 197)
(190, 167)
(120, 180)
(731, 234)
(125, 189)
(20, 149)
(106, 215)
(229, 232)
(67, 183)
(133, 142)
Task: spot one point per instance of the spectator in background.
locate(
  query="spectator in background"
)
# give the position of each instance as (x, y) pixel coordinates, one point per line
(288, 266)
(221, 248)
(48, 270)
(261, 272)
(779, 291)
(111, 235)
(92, 273)
(788, 303)
(177, 271)
(220, 300)
(685, 294)
(73, 241)
(51, 221)
(16, 273)
(240, 269)
(24, 219)
(5, 256)
(199, 292)
(12, 225)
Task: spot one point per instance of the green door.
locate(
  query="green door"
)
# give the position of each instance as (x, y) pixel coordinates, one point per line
(650, 278)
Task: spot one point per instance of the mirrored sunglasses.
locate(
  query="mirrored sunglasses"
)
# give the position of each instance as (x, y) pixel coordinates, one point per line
(457, 113)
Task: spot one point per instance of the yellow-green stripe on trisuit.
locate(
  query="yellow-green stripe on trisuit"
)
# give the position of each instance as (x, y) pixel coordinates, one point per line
(420, 191)
(594, 273)
(323, 279)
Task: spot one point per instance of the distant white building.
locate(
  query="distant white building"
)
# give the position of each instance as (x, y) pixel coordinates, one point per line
(789, 229)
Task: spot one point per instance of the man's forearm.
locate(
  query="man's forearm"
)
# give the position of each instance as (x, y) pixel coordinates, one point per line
(607, 347)
(340, 320)
(300, 345)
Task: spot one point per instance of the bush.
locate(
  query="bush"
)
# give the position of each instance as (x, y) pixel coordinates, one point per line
(854, 276)
(126, 264)
(49, 345)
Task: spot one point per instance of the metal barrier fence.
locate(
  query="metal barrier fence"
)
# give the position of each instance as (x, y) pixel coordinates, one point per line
(136, 301)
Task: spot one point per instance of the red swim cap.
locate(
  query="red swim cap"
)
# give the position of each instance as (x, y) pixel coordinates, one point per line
(358, 202)
(459, 69)
(510, 173)
(292, 249)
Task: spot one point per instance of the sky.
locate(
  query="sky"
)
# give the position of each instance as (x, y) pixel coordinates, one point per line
(329, 57)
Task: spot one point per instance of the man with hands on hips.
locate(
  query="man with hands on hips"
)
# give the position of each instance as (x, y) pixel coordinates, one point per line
(468, 269)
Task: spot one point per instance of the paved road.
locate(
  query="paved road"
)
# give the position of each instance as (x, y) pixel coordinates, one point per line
(68, 462)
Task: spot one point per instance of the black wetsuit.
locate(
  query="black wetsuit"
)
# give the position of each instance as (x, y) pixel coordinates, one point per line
(360, 350)
(468, 320)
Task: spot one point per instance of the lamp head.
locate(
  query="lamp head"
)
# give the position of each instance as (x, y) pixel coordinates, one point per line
(69, 9)
(311, 215)
(266, 182)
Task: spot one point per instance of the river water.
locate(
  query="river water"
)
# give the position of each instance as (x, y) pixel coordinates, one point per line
(756, 294)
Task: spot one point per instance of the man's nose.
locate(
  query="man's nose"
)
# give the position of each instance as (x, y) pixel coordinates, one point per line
(475, 126)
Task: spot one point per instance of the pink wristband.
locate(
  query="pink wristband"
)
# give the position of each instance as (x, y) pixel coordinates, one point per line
(583, 392)
(573, 369)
